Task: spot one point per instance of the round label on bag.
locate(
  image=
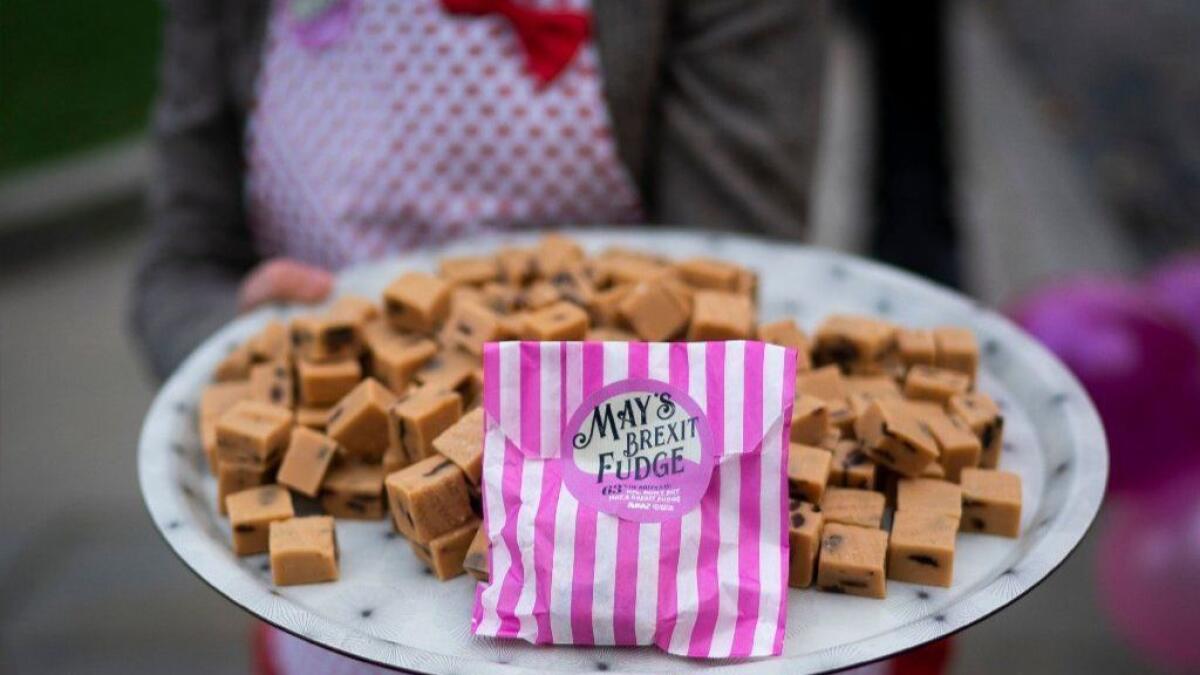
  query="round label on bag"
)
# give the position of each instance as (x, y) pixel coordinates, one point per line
(639, 449)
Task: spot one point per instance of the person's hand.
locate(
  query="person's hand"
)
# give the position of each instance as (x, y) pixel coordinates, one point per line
(283, 280)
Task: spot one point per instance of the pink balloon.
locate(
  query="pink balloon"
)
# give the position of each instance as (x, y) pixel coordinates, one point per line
(1148, 572)
(1175, 286)
(1141, 368)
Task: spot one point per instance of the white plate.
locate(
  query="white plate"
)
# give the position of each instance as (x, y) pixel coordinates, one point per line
(387, 609)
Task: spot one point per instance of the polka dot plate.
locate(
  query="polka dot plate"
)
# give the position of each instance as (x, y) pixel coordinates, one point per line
(386, 609)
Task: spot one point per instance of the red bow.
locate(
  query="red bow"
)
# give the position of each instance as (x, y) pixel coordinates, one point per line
(550, 38)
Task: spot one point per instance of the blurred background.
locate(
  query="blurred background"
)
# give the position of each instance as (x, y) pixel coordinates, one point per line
(995, 146)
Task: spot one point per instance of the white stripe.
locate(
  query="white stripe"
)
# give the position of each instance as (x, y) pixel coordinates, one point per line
(551, 357)
(531, 497)
(564, 518)
(650, 534)
(730, 511)
(769, 562)
(689, 539)
(616, 368)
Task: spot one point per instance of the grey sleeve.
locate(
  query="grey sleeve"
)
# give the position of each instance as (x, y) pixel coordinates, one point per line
(738, 111)
(198, 247)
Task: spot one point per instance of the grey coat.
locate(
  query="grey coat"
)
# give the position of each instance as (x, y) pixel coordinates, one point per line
(714, 107)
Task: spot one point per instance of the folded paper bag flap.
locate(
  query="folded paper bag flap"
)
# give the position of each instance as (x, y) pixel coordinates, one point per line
(750, 394)
(523, 388)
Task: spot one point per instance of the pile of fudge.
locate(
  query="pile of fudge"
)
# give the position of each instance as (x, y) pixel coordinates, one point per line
(369, 410)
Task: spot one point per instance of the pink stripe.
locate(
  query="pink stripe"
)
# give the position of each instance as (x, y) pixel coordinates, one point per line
(491, 407)
(531, 444)
(625, 586)
(583, 576)
(668, 593)
(710, 522)
(543, 546)
(749, 583)
(789, 396)
(529, 380)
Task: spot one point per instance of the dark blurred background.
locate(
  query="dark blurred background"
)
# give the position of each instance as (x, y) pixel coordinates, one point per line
(992, 146)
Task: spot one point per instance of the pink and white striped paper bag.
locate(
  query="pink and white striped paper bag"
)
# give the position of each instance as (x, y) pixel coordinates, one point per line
(636, 494)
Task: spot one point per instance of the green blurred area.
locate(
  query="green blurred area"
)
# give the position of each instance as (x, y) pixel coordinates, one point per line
(73, 74)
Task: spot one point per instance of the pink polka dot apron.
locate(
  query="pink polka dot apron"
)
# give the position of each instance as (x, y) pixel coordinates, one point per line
(393, 125)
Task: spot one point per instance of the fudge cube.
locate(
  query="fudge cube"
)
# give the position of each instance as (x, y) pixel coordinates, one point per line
(471, 270)
(421, 417)
(853, 343)
(323, 384)
(933, 470)
(893, 437)
(934, 384)
(786, 333)
(957, 349)
(654, 312)
(470, 325)
(929, 494)
(804, 535)
(444, 555)
(395, 357)
(233, 477)
(555, 253)
(539, 294)
(708, 273)
(852, 560)
(312, 417)
(718, 315)
(850, 467)
(808, 471)
(394, 459)
(605, 305)
(916, 347)
(561, 321)
(462, 443)
(272, 343)
(991, 502)
(428, 499)
(573, 285)
(630, 267)
(354, 307)
(515, 265)
(921, 548)
(871, 386)
(235, 366)
(810, 420)
(272, 383)
(958, 447)
(307, 460)
(253, 432)
(326, 338)
(353, 490)
(982, 416)
(360, 423)
(853, 506)
(251, 513)
(827, 384)
(416, 302)
(216, 399)
(498, 297)
(303, 551)
(476, 560)
(606, 334)
(449, 370)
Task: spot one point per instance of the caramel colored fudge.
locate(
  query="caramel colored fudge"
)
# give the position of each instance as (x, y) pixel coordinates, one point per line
(853, 507)
(827, 384)
(991, 502)
(852, 560)
(871, 386)
(982, 415)
(444, 555)
(718, 315)
(353, 490)
(306, 461)
(476, 561)
(895, 438)
(957, 349)
(272, 343)
(272, 383)
(606, 334)
(921, 548)
(958, 447)
(428, 499)
(804, 534)
(417, 302)
(810, 420)
(605, 305)
(561, 321)
(515, 264)
(449, 370)
(916, 347)
(853, 343)
(654, 312)
(360, 423)
(233, 477)
(929, 494)
(216, 399)
(421, 417)
(312, 417)
(573, 285)
(394, 356)
(786, 333)
(252, 511)
(850, 467)
(708, 273)
(808, 471)
(235, 365)
(470, 325)
(354, 307)
(303, 551)
(470, 270)
(537, 295)
(555, 253)
(462, 443)
(254, 433)
(934, 384)
(323, 384)
(326, 338)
